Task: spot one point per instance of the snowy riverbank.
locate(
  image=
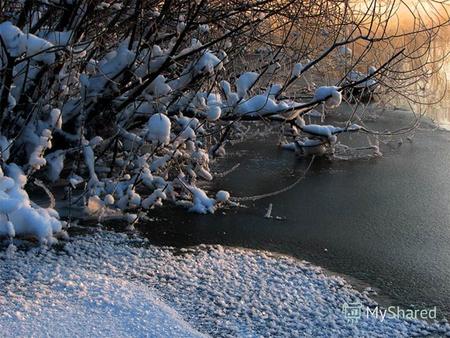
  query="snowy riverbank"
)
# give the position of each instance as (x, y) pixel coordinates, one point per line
(108, 284)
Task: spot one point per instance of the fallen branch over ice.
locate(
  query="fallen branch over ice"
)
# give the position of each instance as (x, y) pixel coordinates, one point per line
(271, 194)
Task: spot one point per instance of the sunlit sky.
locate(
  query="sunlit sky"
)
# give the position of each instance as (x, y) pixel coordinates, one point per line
(407, 11)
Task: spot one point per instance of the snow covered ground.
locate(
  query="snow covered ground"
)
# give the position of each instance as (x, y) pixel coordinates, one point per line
(110, 284)
(72, 293)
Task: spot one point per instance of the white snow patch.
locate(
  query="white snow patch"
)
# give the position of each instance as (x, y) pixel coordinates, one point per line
(60, 294)
(245, 82)
(202, 204)
(330, 94)
(260, 105)
(159, 129)
(207, 63)
(108, 284)
(18, 43)
(19, 216)
(222, 196)
(298, 67)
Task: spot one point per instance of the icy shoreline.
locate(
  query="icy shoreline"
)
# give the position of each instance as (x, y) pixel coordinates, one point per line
(108, 284)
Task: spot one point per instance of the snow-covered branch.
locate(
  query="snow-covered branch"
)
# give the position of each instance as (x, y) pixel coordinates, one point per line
(129, 103)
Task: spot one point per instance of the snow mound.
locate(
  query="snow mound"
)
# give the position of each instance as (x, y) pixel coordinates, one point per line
(108, 284)
(57, 294)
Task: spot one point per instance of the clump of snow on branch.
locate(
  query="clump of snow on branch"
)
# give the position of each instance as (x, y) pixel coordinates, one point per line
(17, 43)
(330, 94)
(159, 129)
(19, 215)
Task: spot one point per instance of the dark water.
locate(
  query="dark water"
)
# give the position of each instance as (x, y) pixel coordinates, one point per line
(385, 221)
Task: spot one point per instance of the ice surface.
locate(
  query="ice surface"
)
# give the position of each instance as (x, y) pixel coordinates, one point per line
(109, 284)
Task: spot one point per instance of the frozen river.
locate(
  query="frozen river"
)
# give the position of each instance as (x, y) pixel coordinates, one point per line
(385, 221)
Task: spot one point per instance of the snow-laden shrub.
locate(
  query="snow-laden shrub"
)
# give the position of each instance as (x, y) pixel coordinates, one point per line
(128, 104)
